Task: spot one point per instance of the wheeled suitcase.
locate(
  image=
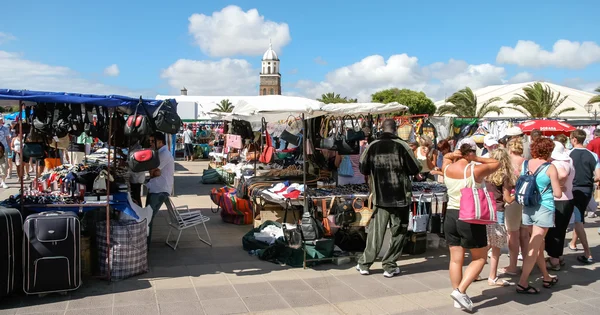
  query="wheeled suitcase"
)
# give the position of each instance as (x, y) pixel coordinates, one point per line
(11, 240)
(52, 257)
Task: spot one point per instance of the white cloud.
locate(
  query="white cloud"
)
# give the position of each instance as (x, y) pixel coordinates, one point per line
(232, 31)
(374, 73)
(6, 37)
(320, 61)
(522, 77)
(564, 54)
(223, 77)
(19, 73)
(112, 71)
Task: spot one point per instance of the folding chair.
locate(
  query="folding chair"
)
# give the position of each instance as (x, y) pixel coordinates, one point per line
(181, 218)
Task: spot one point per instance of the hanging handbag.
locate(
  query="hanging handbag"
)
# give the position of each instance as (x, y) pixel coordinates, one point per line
(327, 141)
(435, 222)
(342, 145)
(137, 124)
(419, 218)
(143, 160)
(345, 169)
(166, 118)
(477, 205)
(354, 134)
(363, 214)
(325, 219)
(268, 151)
(33, 150)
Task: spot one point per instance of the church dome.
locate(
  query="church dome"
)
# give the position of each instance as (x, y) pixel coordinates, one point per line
(270, 53)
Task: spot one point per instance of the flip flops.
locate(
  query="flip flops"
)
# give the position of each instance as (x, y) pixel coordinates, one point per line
(574, 249)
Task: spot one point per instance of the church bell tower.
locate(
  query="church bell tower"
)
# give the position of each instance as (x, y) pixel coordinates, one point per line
(270, 78)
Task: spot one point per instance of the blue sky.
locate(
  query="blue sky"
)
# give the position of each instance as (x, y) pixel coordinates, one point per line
(66, 45)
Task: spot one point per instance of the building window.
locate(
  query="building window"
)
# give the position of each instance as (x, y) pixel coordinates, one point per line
(263, 70)
(269, 69)
(264, 92)
(275, 69)
(271, 91)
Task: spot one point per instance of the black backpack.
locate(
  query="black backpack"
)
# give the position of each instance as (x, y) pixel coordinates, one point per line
(102, 124)
(60, 120)
(88, 122)
(166, 118)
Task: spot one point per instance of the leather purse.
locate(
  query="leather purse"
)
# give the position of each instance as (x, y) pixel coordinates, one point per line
(268, 151)
(143, 160)
(33, 150)
(343, 211)
(363, 214)
(353, 134)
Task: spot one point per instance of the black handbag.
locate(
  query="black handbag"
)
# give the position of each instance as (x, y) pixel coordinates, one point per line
(293, 237)
(353, 134)
(143, 160)
(351, 239)
(290, 138)
(166, 118)
(311, 228)
(137, 125)
(327, 141)
(33, 150)
(343, 211)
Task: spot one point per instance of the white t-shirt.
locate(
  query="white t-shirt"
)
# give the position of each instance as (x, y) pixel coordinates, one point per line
(187, 136)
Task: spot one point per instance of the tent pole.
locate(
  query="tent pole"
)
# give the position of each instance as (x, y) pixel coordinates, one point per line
(110, 123)
(304, 168)
(21, 145)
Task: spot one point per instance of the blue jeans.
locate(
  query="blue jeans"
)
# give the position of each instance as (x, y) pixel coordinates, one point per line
(155, 201)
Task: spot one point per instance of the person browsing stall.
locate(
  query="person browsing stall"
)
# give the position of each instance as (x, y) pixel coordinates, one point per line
(388, 162)
(161, 180)
(4, 140)
(188, 142)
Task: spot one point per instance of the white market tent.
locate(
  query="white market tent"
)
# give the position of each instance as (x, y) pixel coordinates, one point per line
(363, 108)
(576, 98)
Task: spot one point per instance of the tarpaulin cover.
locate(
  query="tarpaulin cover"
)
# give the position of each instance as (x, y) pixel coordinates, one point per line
(74, 98)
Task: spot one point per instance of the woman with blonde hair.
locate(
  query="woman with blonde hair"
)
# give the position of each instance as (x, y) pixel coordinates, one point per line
(518, 235)
(500, 183)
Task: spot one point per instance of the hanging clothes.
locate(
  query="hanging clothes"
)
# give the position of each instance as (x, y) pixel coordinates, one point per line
(442, 126)
(405, 130)
(428, 129)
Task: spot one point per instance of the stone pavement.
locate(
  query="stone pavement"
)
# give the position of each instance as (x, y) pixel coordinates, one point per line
(197, 279)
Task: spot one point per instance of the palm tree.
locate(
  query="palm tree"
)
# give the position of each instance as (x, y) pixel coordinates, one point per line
(332, 98)
(464, 104)
(595, 99)
(224, 106)
(539, 101)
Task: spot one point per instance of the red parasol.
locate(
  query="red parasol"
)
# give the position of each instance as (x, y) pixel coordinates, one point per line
(547, 127)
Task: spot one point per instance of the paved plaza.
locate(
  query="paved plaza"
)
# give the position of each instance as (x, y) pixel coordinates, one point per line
(197, 279)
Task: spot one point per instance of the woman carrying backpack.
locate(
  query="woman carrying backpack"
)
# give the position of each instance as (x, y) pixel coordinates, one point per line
(461, 236)
(538, 216)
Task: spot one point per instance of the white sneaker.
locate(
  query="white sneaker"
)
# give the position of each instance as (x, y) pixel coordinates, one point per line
(457, 306)
(3, 185)
(462, 299)
(395, 272)
(362, 272)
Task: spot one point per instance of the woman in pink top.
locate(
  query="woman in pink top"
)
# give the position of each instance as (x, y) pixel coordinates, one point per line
(555, 238)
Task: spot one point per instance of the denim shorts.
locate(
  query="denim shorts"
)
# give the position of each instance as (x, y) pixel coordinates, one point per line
(500, 216)
(577, 216)
(538, 216)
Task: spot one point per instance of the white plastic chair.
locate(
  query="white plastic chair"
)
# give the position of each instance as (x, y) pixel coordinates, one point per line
(181, 218)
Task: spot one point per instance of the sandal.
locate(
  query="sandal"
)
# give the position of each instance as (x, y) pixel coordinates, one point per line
(551, 283)
(553, 267)
(506, 272)
(527, 290)
(573, 248)
(479, 278)
(494, 283)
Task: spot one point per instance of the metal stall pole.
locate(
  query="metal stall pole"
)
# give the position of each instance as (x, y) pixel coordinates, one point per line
(21, 145)
(110, 123)
(304, 162)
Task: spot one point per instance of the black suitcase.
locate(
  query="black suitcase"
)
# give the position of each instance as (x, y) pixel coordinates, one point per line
(52, 257)
(11, 240)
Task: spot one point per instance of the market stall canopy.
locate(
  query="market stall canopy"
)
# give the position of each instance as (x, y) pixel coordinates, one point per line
(275, 107)
(575, 98)
(74, 98)
(363, 108)
(547, 127)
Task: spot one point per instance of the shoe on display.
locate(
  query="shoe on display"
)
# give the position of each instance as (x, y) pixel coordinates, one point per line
(362, 272)
(394, 272)
(462, 299)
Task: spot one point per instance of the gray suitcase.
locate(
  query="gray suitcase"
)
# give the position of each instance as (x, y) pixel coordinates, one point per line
(51, 253)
